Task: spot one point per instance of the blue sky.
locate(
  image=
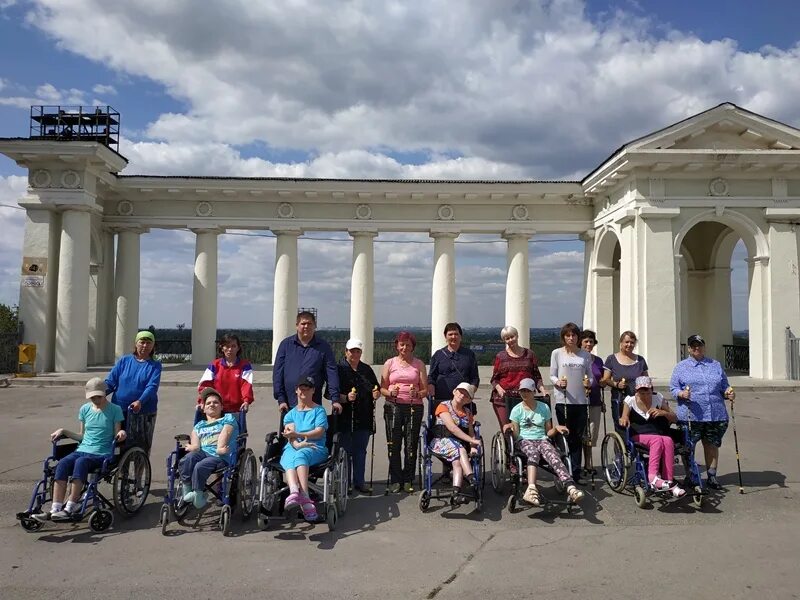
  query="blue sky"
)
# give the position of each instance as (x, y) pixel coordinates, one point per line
(506, 89)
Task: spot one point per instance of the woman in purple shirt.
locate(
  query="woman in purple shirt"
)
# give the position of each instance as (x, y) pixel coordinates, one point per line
(596, 405)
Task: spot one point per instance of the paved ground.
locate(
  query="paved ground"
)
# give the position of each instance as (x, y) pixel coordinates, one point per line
(739, 546)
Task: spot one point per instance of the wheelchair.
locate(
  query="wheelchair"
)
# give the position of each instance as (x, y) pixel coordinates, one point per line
(510, 465)
(237, 483)
(127, 469)
(624, 463)
(432, 489)
(327, 481)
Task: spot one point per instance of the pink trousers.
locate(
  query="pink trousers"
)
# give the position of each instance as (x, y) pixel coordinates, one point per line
(661, 449)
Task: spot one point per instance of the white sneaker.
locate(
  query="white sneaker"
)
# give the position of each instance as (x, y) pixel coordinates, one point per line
(62, 515)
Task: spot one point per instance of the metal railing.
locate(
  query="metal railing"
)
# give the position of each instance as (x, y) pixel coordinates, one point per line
(260, 351)
(737, 358)
(792, 355)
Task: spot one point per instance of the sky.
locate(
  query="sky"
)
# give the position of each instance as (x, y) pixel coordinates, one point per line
(360, 89)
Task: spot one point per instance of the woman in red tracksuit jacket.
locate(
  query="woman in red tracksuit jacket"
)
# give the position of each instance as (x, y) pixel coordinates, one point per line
(230, 375)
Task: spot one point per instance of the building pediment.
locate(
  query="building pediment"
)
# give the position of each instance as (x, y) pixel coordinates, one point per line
(720, 140)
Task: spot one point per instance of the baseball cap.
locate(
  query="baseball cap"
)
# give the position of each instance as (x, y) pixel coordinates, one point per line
(307, 381)
(467, 387)
(643, 381)
(209, 391)
(695, 339)
(527, 384)
(354, 343)
(95, 387)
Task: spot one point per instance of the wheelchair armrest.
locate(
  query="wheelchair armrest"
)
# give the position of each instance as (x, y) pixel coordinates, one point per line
(270, 436)
(183, 437)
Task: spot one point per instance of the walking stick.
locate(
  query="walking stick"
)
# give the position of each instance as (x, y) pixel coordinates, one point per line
(372, 451)
(352, 442)
(389, 444)
(587, 435)
(736, 442)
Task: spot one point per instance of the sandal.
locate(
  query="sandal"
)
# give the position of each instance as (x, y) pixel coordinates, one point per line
(531, 496)
(574, 494)
(659, 484)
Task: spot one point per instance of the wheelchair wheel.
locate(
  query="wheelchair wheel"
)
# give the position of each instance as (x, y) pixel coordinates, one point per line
(30, 524)
(101, 520)
(263, 522)
(131, 482)
(270, 484)
(614, 459)
(640, 496)
(499, 463)
(697, 498)
(163, 519)
(332, 517)
(247, 484)
(424, 500)
(225, 520)
(341, 483)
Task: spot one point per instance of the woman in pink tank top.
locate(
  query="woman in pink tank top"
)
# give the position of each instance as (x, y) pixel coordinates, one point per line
(404, 381)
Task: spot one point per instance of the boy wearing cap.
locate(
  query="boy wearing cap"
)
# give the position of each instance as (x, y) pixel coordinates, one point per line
(101, 425)
(360, 390)
(700, 386)
(134, 381)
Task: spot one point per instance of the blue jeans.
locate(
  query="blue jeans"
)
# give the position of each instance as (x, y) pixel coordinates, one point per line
(78, 465)
(355, 444)
(198, 466)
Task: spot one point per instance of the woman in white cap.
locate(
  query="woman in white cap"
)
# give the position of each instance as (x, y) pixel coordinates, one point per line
(648, 415)
(359, 389)
(454, 435)
(532, 424)
(134, 381)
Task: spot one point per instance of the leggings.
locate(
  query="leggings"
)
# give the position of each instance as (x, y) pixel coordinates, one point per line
(402, 429)
(536, 449)
(661, 450)
(574, 417)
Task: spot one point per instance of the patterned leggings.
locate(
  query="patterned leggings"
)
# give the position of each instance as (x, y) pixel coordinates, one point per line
(536, 449)
(402, 430)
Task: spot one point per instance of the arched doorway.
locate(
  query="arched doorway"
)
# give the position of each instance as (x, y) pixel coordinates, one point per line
(603, 295)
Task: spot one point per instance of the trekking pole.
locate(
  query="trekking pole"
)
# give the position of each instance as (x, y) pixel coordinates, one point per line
(372, 451)
(352, 441)
(389, 444)
(736, 442)
(587, 434)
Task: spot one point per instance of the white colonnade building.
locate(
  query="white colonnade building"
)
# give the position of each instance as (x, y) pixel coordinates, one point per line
(659, 218)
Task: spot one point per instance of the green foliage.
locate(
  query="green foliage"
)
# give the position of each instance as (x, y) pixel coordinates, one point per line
(8, 319)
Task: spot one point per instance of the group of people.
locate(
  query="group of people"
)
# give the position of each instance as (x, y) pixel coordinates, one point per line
(305, 370)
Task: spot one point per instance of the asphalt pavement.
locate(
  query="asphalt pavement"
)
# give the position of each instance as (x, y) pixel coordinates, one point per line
(384, 547)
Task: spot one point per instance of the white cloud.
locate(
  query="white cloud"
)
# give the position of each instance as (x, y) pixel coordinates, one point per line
(101, 89)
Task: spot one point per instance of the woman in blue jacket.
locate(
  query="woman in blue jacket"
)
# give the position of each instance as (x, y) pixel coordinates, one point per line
(134, 381)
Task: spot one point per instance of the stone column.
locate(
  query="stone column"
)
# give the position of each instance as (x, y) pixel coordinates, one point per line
(107, 300)
(658, 303)
(284, 306)
(126, 288)
(518, 311)
(589, 316)
(784, 292)
(37, 294)
(443, 295)
(204, 296)
(362, 291)
(628, 290)
(72, 312)
(757, 314)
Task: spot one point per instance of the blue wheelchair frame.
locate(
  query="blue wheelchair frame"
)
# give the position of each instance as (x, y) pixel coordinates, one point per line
(237, 487)
(431, 490)
(627, 454)
(113, 470)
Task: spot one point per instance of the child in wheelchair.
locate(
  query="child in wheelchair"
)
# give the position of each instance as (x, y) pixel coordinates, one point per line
(532, 425)
(649, 417)
(454, 439)
(212, 446)
(100, 426)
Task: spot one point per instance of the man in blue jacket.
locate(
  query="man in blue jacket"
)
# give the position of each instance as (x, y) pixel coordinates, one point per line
(304, 354)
